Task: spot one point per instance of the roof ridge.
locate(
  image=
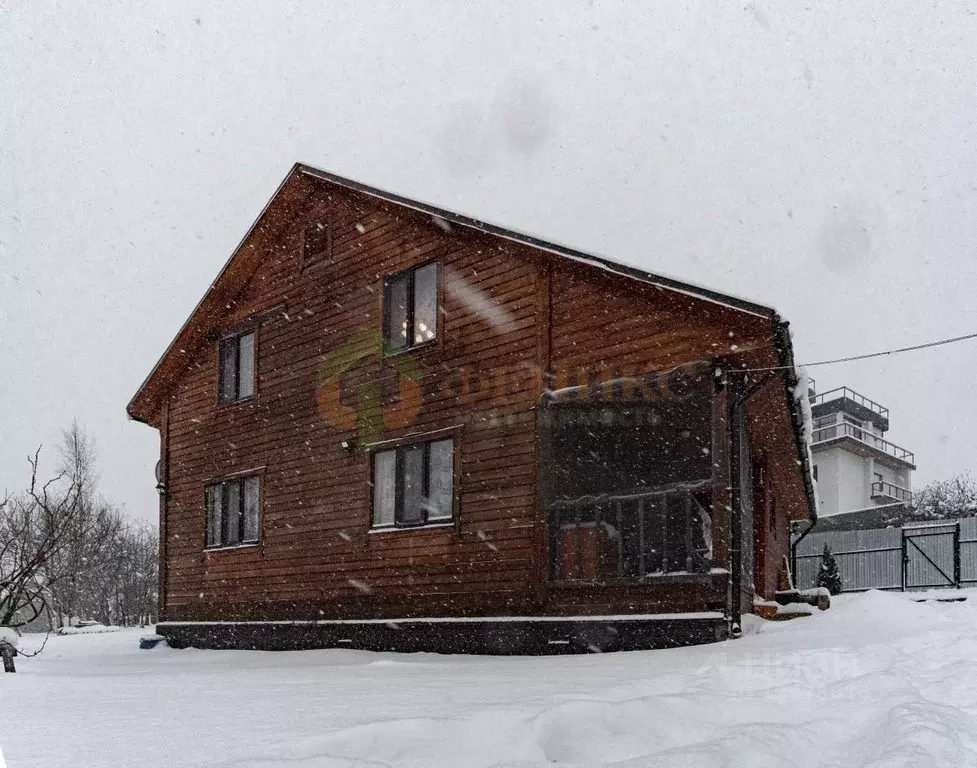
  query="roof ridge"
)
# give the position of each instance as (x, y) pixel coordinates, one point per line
(603, 262)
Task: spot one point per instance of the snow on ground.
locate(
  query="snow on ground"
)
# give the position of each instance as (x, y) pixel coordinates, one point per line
(876, 681)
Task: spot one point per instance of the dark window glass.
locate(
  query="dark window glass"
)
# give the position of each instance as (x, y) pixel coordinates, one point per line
(413, 484)
(252, 501)
(627, 479)
(245, 366)
(228, 370)
(397, 314)
(236, 368)
(413, 496)
(411, 307)
(233, 511)
(610, 448)
(441, 473)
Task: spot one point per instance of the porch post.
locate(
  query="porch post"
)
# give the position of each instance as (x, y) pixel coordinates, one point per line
(736, 520)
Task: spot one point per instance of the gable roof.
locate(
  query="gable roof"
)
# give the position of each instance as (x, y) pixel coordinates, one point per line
(287, 202)
(280, 210)
(616, 267)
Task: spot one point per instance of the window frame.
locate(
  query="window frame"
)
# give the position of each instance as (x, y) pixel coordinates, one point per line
(400, 448)
(857, 427)
(235, 337)
(409, 274)
(222, 484)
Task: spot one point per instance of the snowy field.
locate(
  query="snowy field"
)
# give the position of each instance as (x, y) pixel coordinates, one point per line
(876, 681)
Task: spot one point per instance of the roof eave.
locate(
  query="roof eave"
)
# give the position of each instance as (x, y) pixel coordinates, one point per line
(144, 405)
(138, 409)
(785, 353)
(469, 222)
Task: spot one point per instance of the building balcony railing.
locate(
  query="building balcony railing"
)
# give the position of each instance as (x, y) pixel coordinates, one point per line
(891, 492)
(631, 537)
(864, 436)
(841, 393)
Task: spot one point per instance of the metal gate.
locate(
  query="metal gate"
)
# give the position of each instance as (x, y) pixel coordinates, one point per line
(931, 556)
(919, 556)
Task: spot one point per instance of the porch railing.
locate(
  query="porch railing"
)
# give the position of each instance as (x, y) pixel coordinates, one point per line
(884, 490)
(844, 393)
(630, 537)
(864, 436)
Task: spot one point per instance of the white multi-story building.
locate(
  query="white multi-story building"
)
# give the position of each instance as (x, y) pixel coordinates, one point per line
(856, 468)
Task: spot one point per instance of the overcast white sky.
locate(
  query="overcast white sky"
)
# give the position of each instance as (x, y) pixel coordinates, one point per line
(819, 159)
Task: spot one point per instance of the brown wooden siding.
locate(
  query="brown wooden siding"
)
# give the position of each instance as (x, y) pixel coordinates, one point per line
(316, 549)
(610, 327)
(317, 556)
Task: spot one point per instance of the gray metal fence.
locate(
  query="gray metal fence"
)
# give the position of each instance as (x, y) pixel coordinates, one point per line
(968, 551)
(921, 556)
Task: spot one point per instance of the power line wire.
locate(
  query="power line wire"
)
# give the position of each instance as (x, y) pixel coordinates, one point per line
(927, 345)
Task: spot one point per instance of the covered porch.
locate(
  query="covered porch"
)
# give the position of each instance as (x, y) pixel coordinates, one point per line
(637, 490)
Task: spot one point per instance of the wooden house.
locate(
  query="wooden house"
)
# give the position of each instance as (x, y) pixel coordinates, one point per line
(389, 426)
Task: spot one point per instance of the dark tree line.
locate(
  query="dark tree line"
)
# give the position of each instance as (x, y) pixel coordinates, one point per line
(66, 554)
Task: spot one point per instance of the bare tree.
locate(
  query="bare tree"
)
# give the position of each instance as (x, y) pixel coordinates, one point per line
(92, 531)
(34, 527)
(128, 589)
(65, 552)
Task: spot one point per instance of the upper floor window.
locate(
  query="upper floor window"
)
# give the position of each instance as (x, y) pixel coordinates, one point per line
(236, 368)
(410, 307)
(413, 484)
(233, 512)
(855, 428)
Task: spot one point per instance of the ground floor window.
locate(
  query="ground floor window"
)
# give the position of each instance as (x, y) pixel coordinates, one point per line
(413, 484)
(233, 512)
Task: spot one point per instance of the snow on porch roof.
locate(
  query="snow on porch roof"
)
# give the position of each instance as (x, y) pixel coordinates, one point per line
(277, 213)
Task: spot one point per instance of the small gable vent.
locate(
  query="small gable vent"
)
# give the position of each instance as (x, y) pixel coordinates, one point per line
(316, 241)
